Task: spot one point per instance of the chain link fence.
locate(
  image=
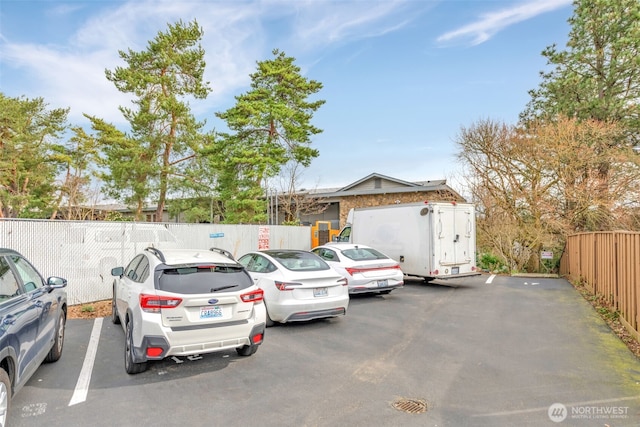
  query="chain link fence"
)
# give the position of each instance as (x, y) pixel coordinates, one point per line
(84, 252)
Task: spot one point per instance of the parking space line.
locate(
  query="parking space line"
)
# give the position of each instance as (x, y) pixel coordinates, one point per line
(490, 279)
(82, 386)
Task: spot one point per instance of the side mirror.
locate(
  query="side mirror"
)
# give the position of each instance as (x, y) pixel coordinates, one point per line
(117, 271)
(56, 282)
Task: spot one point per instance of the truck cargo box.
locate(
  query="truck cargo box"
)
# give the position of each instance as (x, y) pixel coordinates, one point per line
(432, 240)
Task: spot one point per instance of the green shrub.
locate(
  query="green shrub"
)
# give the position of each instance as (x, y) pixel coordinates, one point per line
(490, 262)
(87, 309)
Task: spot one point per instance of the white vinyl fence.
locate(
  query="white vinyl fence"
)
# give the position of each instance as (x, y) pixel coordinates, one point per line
(84, 252)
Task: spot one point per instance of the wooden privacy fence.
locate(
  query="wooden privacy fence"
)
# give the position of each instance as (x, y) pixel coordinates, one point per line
(608, 265)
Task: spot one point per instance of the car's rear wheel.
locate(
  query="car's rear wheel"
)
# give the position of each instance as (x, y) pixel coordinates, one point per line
(114, 309)
(130, 366)
(247, 350)
(268, 321)
(5, 396)
(56, 351)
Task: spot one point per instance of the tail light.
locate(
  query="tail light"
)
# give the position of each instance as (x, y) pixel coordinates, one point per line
(343, 282)
(257, 338)
(253, 296)
(286, 286)
(153, 303)
(154, 351)
(354, 270)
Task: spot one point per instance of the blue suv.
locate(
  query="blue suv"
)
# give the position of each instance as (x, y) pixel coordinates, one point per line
(33, 313)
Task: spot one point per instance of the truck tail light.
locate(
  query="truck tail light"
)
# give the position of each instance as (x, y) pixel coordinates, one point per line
(153, 303)
(253, 296)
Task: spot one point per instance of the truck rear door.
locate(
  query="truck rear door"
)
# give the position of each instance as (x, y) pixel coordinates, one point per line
(455, 238)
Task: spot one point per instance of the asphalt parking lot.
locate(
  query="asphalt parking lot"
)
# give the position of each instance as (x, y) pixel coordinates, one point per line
(515, 351)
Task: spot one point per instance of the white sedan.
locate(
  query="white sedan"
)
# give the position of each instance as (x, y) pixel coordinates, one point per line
(366, 269)
(298, 285)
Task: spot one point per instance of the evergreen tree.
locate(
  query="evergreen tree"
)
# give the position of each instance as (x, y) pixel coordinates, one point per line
(270, 126)
(29, 141)
(164, 135)
(596, 78)
(598, 75)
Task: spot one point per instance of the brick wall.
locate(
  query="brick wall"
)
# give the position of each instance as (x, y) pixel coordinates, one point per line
(362, 201)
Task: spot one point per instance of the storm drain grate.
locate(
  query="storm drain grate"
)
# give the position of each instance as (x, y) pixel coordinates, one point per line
(412, 406)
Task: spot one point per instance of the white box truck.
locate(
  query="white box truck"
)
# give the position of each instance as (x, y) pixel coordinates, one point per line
(432, 240)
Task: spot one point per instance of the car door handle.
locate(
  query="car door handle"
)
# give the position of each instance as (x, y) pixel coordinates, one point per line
(37, 303)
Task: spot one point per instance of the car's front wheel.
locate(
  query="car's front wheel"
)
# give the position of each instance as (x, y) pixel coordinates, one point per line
(58, 342)
(130, 366)
(5, 396)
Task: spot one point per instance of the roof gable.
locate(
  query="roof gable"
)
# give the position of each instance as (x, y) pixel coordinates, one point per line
(376, 181)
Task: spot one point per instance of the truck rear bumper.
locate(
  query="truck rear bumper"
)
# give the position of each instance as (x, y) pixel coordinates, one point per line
(455, 276)
(447, 276)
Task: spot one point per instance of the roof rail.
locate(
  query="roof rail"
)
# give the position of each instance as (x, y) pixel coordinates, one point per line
(223, 252)
(156, 252)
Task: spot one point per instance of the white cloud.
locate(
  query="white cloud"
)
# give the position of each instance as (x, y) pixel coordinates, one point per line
(321, 23)
(491, 23)
(72, 74)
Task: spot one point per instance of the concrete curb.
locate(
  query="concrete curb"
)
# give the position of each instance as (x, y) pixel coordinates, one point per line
(547, 276)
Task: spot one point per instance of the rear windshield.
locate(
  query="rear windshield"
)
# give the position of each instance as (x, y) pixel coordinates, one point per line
(299, 261)
(202, 279)
(363, 254)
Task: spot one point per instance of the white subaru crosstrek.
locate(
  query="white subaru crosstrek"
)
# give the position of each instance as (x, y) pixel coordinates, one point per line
(183, 302)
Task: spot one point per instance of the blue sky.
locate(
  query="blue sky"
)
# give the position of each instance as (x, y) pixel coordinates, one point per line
(401, 77)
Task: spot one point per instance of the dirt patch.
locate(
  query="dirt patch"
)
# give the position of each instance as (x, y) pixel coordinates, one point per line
(90, 310)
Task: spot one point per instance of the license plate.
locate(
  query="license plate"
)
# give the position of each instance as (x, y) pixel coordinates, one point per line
(210, 312)
(455, 270)
(383, 283)
(320, 292)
